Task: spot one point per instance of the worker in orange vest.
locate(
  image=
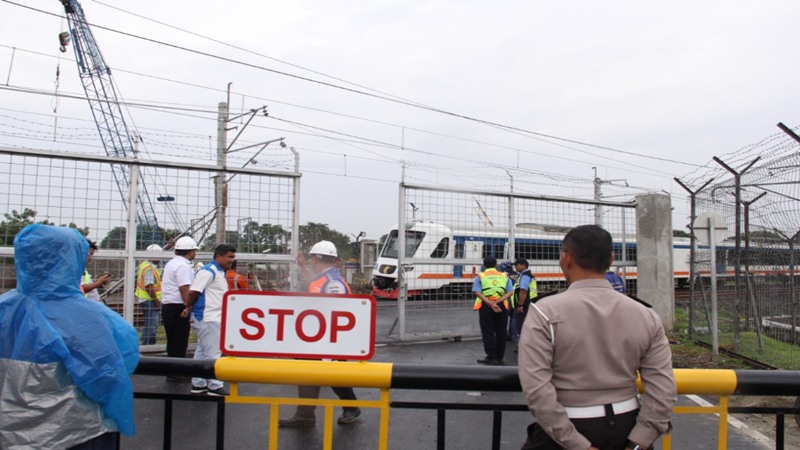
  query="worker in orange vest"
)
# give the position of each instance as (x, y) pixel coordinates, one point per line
(236, 280)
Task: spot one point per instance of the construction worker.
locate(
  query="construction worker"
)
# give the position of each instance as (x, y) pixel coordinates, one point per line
(235, 279)
(148, 293)
(89, 286)
(178, 276)
(324, 262)
(492, 289)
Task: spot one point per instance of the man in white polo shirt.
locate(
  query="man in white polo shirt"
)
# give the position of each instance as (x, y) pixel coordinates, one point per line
(205, 306)
(178, 276)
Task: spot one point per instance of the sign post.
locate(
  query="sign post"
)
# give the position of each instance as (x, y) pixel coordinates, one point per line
(710, 229)
(298, 325)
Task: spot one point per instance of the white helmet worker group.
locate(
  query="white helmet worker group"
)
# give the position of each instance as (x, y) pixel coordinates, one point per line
(324, 248)
(185, 243)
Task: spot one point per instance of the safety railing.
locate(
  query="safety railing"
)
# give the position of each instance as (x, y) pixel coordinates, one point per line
(388, 376)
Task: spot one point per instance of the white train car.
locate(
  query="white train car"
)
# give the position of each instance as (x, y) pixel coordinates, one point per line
(447, 250)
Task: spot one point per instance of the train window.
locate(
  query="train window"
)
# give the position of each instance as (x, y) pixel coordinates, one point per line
(413, 240)
(442, 249)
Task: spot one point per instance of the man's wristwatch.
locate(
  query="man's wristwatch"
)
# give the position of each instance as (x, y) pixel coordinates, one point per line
(634, 446)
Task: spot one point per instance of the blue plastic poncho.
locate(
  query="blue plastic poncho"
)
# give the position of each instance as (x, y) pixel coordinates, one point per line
(65, 361)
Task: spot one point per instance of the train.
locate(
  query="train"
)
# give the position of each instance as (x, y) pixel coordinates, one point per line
(451, 250)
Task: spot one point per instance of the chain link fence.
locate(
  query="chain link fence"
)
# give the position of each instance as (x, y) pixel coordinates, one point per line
(88, 193)
(446, 233)
(757, 193)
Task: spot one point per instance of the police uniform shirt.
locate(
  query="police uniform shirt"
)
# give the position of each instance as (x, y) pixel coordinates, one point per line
(583, 347)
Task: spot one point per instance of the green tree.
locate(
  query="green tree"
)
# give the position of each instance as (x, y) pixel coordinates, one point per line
(15, 222)
(145, 235)
(312, 233)
(679, 233)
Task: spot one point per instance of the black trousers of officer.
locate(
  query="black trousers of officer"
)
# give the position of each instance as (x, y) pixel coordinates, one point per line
(606, 433)
(177, 329)
(494, 330)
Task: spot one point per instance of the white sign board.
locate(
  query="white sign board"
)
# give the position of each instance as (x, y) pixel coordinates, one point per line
(298, 325)
(702, 227)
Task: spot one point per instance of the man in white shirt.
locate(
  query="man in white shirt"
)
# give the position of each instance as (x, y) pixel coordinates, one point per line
(205, 307)
(178, 276)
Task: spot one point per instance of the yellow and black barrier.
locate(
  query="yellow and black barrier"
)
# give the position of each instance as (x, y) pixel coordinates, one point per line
(387, 376)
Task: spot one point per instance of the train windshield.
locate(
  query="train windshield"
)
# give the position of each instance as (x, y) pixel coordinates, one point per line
(413, 240)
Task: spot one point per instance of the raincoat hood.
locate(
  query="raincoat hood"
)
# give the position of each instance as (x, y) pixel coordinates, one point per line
(48, 327)
(49, 260)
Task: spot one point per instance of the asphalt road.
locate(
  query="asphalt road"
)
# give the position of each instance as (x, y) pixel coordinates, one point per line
(246, 426)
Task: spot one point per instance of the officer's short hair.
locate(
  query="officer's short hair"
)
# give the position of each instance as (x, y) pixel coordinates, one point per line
(590, 246)
(489, 261)
(522, 261)
(223, 249)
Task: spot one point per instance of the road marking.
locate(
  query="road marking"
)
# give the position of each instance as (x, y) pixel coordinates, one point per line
(738, 424)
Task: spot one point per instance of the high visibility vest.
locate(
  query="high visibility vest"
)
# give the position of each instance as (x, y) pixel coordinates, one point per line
(532, 290)
(141, 291)
(320, 285)
(493, 286)
(236, 280)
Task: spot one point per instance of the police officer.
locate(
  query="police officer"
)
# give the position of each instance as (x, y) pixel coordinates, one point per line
(492, 289)
(524, 291)
(579, 355)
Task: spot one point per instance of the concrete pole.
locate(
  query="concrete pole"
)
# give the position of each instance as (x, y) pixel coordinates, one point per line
(220, 186)
(655, 283)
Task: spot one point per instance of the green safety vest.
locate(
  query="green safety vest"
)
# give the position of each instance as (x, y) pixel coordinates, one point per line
(493, 286)
(532, 290)
(141, 292)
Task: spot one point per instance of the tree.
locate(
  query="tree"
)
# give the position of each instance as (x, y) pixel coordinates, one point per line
(679, 233)
(16, 221)
(145, 235)
(312, 233)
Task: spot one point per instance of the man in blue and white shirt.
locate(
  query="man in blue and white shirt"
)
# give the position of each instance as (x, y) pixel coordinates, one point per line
(205, 306)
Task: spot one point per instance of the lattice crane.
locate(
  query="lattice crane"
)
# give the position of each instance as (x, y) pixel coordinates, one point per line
(102, 95)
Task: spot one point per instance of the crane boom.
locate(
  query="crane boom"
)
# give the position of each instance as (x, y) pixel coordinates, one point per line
(102, 95)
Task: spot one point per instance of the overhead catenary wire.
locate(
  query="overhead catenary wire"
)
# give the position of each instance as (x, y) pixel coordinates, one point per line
(361, 92)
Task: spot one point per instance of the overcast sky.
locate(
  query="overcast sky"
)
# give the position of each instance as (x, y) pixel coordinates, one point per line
(669, 84)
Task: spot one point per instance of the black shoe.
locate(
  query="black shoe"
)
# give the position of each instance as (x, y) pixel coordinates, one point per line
(349, 416)
(199, 390)
(496, 362)
(297, 422)
(219, 392)
(485, 361)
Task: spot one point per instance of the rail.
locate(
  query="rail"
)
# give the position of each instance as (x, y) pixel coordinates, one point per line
(387, 376)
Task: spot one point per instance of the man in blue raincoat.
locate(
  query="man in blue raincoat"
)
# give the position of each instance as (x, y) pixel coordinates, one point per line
(65, 362)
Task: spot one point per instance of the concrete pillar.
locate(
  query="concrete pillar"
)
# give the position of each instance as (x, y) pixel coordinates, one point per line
(655, 283)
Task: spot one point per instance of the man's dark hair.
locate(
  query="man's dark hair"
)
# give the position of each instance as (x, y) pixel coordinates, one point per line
(489, 261)
(522, 261)
(223, 249)
(182, 252)
(590, 247)
(93, 245)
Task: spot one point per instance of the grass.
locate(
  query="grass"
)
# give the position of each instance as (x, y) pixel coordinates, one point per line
(686, 353)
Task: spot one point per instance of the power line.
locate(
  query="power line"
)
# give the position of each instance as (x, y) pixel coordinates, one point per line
(527, 133)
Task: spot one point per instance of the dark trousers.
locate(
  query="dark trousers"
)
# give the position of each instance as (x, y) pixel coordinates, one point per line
(520, 317)
(606, 433)
(106, 441)
(177, 329)
(307, 411)
(493, 331)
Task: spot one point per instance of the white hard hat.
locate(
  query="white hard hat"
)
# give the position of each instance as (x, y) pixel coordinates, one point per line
(325, 248)
(153, 248)
(185, 243)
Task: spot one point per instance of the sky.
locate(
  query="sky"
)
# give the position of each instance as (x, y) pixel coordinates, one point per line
(543, 94)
